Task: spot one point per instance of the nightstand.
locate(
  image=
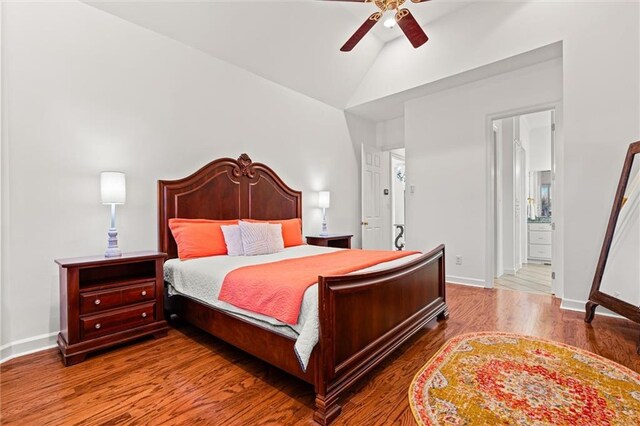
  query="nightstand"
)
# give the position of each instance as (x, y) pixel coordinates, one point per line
(107, 301)
(331, 240)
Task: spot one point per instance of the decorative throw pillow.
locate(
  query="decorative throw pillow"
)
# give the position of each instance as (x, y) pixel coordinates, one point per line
(233, 240)
(291, 230)
(261, 238)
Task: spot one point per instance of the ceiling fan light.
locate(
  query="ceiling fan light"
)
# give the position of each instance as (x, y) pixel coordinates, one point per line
(390, 22)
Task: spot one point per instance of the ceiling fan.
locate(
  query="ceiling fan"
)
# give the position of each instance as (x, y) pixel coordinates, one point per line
(403, 17)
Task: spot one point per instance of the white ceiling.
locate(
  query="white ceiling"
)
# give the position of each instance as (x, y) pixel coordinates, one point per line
(392, 106)
(294, 43)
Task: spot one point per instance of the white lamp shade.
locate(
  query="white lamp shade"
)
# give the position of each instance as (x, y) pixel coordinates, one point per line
(113, 188)
(324, 199)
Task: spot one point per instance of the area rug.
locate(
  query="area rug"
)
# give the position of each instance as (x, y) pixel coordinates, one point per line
(509, 379)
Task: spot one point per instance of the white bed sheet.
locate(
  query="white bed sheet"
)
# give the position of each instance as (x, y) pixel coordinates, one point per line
(201, 279)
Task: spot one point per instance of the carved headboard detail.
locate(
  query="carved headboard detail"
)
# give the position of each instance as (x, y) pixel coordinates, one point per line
(224, 189)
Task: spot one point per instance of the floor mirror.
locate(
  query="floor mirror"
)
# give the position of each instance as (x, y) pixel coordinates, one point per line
(616, 284)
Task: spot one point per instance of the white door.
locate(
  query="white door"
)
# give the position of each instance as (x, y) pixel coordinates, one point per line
(372, 221)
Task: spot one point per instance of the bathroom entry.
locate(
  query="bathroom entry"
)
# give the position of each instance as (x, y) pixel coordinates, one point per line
(397, 186)
(524, 202)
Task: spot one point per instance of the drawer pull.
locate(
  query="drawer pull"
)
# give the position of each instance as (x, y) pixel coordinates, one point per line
(97, 302)
(144, 292)
(144, 315)
(98, 326)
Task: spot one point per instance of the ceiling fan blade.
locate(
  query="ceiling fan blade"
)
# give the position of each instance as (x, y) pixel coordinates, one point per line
(361, 32)
(416, 1)
(411, 28)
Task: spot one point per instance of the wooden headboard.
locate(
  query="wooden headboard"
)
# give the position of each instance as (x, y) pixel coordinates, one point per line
(224, 189)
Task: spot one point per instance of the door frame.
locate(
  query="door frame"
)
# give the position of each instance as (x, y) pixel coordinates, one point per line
(496, 143)
(557, 158)
(520, 209)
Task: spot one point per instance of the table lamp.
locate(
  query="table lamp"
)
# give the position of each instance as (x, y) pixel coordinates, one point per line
(113, 191)
(324, 200)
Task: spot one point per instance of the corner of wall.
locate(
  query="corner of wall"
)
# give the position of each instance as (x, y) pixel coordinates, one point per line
(27, 346)
(472, 282)
(3, 169)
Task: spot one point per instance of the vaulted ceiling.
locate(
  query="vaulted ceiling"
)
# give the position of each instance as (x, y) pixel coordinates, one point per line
(294, 43)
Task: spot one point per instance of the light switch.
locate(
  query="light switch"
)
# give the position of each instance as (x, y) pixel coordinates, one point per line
(412, 188)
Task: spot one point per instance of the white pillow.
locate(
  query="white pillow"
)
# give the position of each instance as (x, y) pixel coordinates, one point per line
(261, 238)
(233, 240)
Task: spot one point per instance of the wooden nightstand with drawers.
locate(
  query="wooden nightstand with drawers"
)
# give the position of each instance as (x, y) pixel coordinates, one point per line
(107, 301)
(331, 240)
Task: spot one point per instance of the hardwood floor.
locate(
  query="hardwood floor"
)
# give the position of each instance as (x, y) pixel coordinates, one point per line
(190, 377)
(532, 278)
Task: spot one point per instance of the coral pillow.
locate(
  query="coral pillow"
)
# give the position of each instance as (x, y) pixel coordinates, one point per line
(261, 238)
(291, 230)
(199, 237)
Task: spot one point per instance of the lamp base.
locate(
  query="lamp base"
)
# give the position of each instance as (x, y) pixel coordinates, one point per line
(113, 250)
(324, 232)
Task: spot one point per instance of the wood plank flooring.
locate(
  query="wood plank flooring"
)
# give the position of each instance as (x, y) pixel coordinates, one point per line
(192, 378)
(532, 278)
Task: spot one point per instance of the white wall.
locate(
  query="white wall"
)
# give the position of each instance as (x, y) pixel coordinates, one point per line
(83, 92)
(540, 148)
(363, 132)
(446, 146)
(601, 101)
(4, 325)
(535, 132)
(390, 133)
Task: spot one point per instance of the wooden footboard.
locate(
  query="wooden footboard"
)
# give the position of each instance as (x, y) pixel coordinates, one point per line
(364, 317)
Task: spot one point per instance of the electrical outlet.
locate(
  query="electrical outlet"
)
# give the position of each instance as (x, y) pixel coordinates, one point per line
(458, 260)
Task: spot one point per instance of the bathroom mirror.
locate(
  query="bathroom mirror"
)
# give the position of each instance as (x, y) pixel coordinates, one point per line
(616, 284)
(539, 207)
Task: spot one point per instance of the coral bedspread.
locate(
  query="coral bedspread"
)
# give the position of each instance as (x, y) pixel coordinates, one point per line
(276, 289)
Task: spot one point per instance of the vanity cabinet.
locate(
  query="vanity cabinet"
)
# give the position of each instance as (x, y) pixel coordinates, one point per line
(540, 241)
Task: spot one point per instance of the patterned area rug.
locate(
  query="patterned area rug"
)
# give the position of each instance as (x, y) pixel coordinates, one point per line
(509, 379)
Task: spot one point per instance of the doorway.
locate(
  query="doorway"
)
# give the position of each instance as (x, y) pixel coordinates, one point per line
(383, 198)
(397, 198)
(524, 177)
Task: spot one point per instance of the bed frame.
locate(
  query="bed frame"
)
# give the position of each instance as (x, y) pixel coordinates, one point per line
(363, 317)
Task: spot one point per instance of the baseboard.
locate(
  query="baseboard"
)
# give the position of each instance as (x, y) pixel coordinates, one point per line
(27, 346)
(474, 282)
(579, 306)
(509, 272)
(47, 341)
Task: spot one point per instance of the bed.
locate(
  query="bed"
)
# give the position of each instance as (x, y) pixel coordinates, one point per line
(362, 317)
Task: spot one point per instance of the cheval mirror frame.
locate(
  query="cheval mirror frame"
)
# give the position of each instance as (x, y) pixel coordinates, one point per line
(596, 297)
